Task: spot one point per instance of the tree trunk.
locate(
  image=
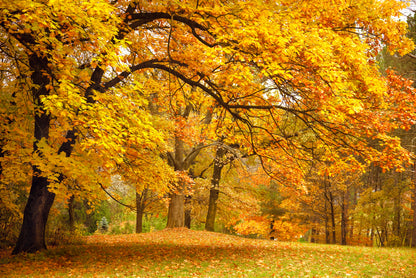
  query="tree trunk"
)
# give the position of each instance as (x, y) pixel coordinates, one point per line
(139, 210)
(139, 220)
(344, 219)
(71, 220)
(326, 217)
(188, 218)
(214, 191)
(176, 213)
(181, 161)
(331, 203)
(353, 204)
(32, 233)
(327, 240)
(397, 218)
(212, 209)
(188, 210)
(313, 234)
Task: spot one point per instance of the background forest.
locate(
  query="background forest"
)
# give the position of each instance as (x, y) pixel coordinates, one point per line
(288, 120)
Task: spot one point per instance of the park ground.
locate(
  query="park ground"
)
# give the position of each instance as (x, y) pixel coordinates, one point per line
(188, 253)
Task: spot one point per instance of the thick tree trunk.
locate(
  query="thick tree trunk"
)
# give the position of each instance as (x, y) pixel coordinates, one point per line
(176, 213)
(181, 161)
(139, 220)
(32, 233)
(214, 191)
(212, 209)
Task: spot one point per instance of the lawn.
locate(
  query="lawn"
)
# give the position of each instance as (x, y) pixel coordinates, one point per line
(186, 253)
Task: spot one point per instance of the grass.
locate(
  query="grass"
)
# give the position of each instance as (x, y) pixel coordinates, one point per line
(187, 253)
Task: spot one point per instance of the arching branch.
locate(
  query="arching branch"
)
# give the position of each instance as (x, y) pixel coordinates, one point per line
(115, 199)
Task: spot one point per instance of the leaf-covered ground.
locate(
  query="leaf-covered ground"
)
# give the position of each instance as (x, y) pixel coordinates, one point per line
(186, 253)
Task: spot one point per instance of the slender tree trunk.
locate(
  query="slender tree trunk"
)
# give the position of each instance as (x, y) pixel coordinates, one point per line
(327, 240)
(2, 154)
(140, 198)
(397, 217)
(413, 206)
(313, 234)
(343, 220)
(397, 211)
(188, 218)
(188, 210)
(219, 163)
(71, 220)
(333, 227)
(326, 217)
(353, 204)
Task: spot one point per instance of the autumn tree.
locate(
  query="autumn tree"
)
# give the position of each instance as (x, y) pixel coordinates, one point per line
(259, 61)
(400, 182)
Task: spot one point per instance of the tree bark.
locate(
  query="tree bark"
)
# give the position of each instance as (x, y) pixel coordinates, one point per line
(181, 161)
(344, 208)
(140, 198)
(212, 209)
(139, 221)
(32, 233)
(176, 213)
(326, 217)
(327, 240)
(331, 203)
(214, 190)
(188, 210)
